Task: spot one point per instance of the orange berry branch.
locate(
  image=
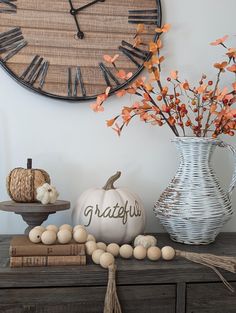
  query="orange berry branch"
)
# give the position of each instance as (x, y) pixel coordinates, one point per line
(188, 110)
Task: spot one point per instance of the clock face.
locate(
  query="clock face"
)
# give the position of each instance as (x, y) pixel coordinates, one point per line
(56, 47)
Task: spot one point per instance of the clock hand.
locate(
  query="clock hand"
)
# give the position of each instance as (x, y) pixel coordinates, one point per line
(80, 34)
(76, 11)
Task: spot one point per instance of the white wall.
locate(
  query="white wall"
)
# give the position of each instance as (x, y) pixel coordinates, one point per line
(74, 145)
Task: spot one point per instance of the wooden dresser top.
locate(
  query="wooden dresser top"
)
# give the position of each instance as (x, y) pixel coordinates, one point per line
(131, 272)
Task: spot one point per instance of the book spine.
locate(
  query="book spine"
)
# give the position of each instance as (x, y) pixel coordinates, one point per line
(43, 250)
(37, 261)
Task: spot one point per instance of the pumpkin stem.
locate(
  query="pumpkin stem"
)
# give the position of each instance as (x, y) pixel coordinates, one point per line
(29, 164)
(110, 183)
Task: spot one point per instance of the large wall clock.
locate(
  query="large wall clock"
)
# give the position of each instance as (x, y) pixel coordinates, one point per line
(56, 47)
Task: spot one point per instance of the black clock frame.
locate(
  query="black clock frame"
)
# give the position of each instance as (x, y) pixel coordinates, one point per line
(80, 98)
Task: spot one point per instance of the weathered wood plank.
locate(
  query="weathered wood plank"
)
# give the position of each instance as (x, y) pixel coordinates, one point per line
(210, 298)
(180, 297)
(59, 21)
(120, 7)
(51, 39)
(87, 300)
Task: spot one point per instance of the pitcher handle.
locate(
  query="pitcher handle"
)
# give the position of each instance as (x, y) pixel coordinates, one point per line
(233, 181)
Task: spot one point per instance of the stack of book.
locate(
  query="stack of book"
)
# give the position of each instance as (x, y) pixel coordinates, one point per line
(24, 253)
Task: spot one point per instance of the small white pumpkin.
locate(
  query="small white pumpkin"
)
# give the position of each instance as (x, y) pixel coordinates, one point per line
(110, 214)
(146, 241)
(47, 194)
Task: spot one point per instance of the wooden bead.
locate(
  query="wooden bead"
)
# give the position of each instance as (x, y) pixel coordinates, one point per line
(49, 237)
(154, 253)
(52, 227)
(168, 253)
(140, 252)
(91, 238)
(106, 259)
(66, 226)
(101, 245)
(126, 251)
(35, 235)
(114, 249)
(64, 236)
(40, 227)
(80, 235)
(77, 227)
(90, 247)
(96, 255)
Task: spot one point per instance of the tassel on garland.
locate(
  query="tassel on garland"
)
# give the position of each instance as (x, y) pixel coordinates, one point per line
(212, 261)
(112, 304)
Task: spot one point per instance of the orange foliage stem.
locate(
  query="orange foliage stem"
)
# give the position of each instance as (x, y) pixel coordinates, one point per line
(166, 102)
(173, 128)
(213, 96)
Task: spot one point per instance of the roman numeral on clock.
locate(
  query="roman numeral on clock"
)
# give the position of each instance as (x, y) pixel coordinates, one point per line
(11, 42)
(7, 6)
(72, 88)
(132, 52)
(148, 17)
(108, 75)
(36, 70)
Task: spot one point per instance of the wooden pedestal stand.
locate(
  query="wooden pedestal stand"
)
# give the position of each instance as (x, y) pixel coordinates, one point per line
(34, 214)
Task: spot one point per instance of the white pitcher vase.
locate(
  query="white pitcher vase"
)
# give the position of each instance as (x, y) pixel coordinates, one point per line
(194, 207)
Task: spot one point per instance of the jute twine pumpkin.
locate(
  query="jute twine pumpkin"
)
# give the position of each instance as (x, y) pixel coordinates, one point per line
(22, 183)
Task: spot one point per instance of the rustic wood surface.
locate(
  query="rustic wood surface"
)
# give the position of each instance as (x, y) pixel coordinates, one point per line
(50, 29)
(87, 299)
(11, 206)
(177, 286)
(210, 298)
(129, 271)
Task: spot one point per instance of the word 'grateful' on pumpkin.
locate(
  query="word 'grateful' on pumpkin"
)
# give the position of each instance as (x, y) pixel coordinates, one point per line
(116, 211)
(110, 214)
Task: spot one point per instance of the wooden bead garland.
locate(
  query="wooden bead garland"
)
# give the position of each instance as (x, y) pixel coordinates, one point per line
(105, 255)
(63, 234)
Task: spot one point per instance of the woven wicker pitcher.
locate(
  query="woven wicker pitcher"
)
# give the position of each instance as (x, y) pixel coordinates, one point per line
(194, 207)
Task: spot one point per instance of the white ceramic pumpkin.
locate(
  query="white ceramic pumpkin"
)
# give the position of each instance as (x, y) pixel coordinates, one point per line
(110, 214)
